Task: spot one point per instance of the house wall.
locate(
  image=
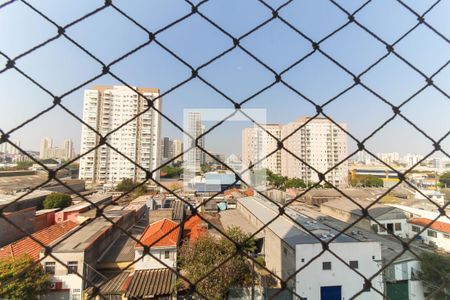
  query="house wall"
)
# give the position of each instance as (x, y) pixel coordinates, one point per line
(442, 240)
(148, 262)
(71, 283)
(310, 280)
(401, 233)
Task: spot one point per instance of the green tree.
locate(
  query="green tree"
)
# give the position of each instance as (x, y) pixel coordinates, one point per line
(171, 172)
(198, 258)
(445, 179)
(295, 183)
(275, 180)
(20, 282)
(435, 270)
(366, 181)
(57, 200)
(24, 165)
(125, 185)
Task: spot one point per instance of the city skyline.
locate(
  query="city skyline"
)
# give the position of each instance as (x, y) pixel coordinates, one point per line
(392, 78)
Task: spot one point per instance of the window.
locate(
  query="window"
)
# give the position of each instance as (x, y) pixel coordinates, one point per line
(353, 264)
(431, 233)
(72, 267)
(446, 236)
(326, 265)
(398, 226)
(50, 267)
(383, 228)
(415, 228)
(166, 254)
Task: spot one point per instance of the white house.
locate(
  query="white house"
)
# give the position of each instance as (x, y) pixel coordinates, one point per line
(437, 234)
(401, 276)
(288, 247)
(162, 237)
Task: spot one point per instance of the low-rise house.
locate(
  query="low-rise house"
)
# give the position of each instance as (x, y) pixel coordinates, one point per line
(158, 284)
(163, 238)
(80, 253)
(24, 219)
(72, 212)
(436, 235)
(402, 280)
(288, 247)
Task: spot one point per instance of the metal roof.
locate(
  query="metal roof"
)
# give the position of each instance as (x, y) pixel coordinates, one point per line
(151, 283)
(286, 229)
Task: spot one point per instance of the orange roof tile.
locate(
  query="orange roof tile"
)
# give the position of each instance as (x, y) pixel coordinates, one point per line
(160, 234)
(437, 225)
(28, 246)
(193, 228)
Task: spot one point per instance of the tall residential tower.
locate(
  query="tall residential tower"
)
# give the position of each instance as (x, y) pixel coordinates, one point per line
(107, 108)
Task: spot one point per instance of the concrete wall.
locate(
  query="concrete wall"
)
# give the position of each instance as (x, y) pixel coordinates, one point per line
(44, 220)
(442, 240)
(22, 218)
(310, 280)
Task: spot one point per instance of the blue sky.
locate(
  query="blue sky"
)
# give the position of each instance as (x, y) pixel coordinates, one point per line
(59, 66)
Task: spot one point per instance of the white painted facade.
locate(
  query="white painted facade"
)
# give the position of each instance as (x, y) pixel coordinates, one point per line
(400, 271)
(321, 144)
(400, 227)
(313, 277)
(168, 255)
(431, 236)
(107, 108)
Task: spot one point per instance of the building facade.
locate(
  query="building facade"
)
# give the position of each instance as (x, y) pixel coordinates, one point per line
(177, 149)
(65, 152)
(195, 157)
(319, 143)
(105, 109)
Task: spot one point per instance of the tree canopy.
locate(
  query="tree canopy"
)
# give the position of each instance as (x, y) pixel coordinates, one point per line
(366, 181)
(171, 172)
(445, 179)
(20, 282)
(434, 272)
(57, 200)
(198, 258)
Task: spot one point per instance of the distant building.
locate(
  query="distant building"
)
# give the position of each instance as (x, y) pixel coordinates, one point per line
(177, 149)
(195, 157)
(105, 109)
(8, 148)
(47, 151)
(321, 144)
(437, 234)
(166, 149)
(258, 143)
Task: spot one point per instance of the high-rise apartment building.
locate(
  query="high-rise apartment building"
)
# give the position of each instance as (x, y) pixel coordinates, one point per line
(46, 143)
(166, 149)
(107, 108)
(195, 157)
(177, 149)
(321, 144)
(258, 143)
(47, 151)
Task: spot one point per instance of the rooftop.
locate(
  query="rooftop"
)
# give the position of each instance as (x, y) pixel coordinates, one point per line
(28, 246)
(161, 233)
(148, 284)
(286, 229)
(194, 228)
(375, 211)
(85, 237)
(437, 225)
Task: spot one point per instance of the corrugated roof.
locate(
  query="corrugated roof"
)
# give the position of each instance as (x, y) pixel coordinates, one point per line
(32, 248)
(111, 284)
(151, 283)
(437, 225)
(160, 234)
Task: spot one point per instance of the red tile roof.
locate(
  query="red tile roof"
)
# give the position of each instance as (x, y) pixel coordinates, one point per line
(160, 234)
(193, 228)
(437, 225)
(28, 246)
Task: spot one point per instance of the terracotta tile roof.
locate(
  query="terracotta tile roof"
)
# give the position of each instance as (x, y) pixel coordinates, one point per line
(28, 246)
(160, 234)
(146, 284)
(437, 225)
(194, 228)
